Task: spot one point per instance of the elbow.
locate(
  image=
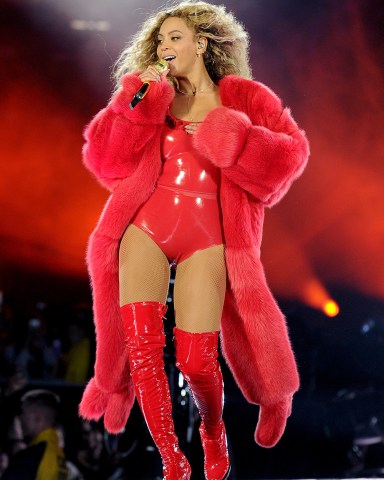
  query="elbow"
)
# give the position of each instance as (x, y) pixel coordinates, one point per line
(300, 151)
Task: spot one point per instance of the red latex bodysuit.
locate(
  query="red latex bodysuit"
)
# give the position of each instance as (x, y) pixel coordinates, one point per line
(182, 216)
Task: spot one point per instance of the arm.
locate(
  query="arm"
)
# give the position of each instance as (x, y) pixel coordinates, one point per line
(116, 135)
(263, 157)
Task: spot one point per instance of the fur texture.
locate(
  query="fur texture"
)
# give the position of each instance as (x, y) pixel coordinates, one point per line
(262, 151)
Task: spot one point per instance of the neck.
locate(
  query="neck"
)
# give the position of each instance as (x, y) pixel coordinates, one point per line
(192, 86)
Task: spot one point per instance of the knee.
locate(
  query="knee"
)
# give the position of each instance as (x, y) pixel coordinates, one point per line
(196, 353)
(190, 367)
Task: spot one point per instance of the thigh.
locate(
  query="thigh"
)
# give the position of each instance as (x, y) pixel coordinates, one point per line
(200, 285)
(143, 268)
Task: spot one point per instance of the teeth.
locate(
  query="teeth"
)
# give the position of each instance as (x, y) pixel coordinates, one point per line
(169, 58)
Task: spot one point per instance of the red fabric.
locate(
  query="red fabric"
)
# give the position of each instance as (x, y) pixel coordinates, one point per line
(145, 341)
(260, 151)
(187, 190)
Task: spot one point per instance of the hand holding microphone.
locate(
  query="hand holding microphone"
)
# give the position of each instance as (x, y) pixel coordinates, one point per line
(152, 74)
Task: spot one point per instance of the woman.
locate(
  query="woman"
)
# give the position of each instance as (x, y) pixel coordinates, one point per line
(191, 168)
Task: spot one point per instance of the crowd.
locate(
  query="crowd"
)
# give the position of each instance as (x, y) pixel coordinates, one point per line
(46, 342)
(46, 357)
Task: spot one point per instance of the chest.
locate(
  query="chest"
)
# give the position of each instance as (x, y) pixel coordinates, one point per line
(194, 108)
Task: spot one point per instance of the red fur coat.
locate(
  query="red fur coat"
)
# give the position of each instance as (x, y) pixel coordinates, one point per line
(260, 151)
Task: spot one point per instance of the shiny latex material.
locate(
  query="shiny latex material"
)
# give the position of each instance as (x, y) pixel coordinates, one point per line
(184, 168)
(196, 357)
(182, 216)
(145, 341)
(216, 458)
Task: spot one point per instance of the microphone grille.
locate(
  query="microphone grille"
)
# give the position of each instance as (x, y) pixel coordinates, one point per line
(161, 65)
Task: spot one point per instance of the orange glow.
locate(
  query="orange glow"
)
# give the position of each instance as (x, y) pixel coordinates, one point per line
(315, 295)
(331, 308)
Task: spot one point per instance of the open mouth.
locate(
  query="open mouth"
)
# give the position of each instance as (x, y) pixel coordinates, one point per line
(169, 58)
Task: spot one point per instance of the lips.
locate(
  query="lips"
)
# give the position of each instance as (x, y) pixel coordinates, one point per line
(169, 58)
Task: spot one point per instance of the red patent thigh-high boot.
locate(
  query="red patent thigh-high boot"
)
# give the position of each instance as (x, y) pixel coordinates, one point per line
(145, 339)
(196, 358)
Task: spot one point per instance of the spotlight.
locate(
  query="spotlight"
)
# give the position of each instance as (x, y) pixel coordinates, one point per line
(331, 308)
(316, 295)
(98, 25)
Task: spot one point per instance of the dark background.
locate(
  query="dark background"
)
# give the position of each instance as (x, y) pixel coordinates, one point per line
(324, 241)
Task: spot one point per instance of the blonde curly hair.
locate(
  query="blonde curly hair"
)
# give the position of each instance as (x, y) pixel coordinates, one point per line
(227, 49)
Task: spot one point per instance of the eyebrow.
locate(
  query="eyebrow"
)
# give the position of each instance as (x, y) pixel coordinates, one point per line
(172, 31)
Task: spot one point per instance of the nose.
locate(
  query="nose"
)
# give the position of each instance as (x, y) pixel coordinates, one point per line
(162, 51)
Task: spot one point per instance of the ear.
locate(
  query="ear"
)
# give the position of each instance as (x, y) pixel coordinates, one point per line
(201, 45)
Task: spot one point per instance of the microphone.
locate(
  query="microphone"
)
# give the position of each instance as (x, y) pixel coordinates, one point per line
(161, 66)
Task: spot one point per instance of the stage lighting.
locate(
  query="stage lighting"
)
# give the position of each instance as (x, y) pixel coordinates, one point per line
(331, 308)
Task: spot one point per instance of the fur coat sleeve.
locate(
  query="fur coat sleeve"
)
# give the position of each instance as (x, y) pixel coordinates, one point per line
(262, 149)
(106, 152)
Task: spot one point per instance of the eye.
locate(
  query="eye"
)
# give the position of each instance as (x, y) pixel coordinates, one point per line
(159, 41)
(175, 38)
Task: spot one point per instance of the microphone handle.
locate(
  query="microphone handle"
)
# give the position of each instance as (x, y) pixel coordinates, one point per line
(160, 66)
(139, 95)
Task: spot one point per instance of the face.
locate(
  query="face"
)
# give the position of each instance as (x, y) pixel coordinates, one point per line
(178, 45)
(29, 421)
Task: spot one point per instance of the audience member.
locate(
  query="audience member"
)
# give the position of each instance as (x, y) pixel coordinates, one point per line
(42, 458)
(32, 354)
(78, 360)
